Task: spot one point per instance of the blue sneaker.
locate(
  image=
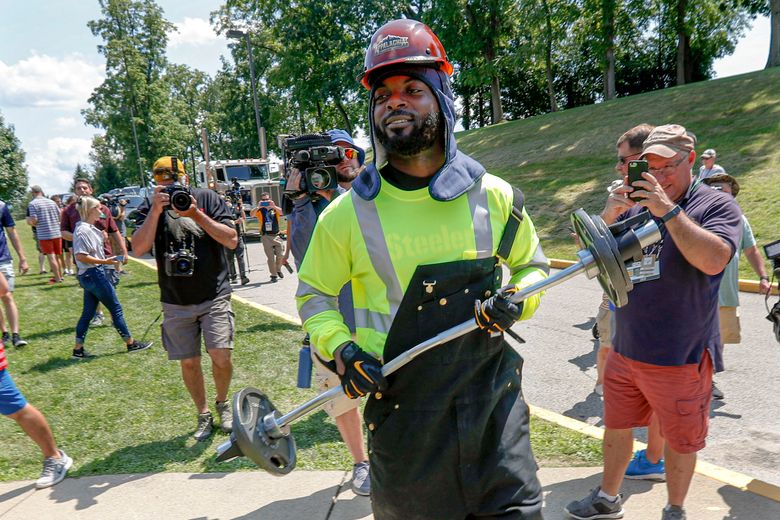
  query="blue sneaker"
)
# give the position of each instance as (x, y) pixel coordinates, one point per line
(642, 469)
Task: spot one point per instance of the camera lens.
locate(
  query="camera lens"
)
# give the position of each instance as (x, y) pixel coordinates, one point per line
(183, 265)
(181, 200)
(320, 179)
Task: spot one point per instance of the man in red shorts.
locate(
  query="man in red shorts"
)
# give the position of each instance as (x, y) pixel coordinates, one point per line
(667, 339)
(45, 216)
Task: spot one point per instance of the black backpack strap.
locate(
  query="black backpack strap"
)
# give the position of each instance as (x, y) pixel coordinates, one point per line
(512, 224)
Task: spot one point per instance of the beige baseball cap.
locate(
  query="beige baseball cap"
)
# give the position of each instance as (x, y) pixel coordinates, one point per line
(667, 141)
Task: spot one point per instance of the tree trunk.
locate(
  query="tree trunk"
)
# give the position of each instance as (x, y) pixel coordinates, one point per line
(467, 108)
(481, 108)
(608, 11)
(682, 43)
(319, 116)
(774, 37)
(343, 112)
(548, 57)
(495, 99)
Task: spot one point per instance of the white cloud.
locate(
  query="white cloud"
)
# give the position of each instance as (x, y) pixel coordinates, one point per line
(67, 122)
(45, 81)
(52, 166)
(196, 32)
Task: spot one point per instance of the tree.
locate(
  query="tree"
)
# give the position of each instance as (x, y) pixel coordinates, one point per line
(79, 173)
(13, 172)
(128, 102)
(774, 36)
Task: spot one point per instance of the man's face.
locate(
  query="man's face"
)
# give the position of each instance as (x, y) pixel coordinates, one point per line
(348, 168)
(83, 189)
(624, 154)
(407, 117)
(673, 174)
(708, 162)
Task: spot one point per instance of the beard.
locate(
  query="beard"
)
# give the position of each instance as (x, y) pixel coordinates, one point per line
(180, 226)
(423, 136)
(347, 174)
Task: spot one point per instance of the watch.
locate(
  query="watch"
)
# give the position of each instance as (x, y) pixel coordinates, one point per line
(764, 278)
(672, 213)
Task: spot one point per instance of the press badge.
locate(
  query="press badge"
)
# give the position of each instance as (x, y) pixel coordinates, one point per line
(649, 268)
(269, 225)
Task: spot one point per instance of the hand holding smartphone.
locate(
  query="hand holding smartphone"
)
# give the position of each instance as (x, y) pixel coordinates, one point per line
(635, 170)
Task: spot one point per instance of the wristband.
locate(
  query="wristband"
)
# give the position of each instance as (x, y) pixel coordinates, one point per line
(763, 278)
(672, 213)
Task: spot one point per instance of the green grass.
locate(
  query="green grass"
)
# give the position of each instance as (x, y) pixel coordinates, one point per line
(123, 413)
(564, 161)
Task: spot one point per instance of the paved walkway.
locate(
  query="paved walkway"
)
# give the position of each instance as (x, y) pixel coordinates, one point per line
(326, 495)
(323, 495)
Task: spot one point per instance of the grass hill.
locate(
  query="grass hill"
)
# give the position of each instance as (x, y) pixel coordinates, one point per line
(563, 161)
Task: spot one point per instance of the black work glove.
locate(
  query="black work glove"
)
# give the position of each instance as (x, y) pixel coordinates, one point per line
(498, 313)
(362, 372)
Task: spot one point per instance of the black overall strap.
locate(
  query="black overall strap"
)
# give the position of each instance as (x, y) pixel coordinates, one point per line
(512, 224)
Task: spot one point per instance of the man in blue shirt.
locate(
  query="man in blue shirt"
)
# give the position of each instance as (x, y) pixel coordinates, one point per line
(667, 338)
(8, 227)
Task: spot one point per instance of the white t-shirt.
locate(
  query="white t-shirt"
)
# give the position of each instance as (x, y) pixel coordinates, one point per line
(704, 172)
(87, 239)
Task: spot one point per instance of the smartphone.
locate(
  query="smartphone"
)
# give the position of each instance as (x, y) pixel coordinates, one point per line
(635, 170)
(264, 204)
(119, 258)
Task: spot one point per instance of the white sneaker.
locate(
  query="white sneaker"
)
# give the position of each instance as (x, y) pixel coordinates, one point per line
(361, 479)
(54, 470)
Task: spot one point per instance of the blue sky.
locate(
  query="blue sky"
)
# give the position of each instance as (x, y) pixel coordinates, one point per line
(49, 65)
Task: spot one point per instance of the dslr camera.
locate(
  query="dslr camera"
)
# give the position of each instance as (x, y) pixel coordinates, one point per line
(772, 252)
(315, 156)
(180, 196)
(180, 263)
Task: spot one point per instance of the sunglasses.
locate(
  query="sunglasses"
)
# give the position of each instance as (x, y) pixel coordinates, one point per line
(350, 153)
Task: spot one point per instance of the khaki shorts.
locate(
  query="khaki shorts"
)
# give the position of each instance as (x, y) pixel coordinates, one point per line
(183, 326)
(326, 379)
(730, 331)
(604, 321)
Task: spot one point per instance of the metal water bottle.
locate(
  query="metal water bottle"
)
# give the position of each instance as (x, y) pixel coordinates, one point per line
(304, 364)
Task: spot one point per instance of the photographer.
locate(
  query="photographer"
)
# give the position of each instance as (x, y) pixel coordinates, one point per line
(306, 209)
(193, 278)
(268, 214)
(237, 254)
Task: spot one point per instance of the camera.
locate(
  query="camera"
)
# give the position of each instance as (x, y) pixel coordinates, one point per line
(180, 263)
(234, 193)
(772, 252)
(180, 196)
(315, 156)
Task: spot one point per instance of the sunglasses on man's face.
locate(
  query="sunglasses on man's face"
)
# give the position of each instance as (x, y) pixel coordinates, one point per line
(350, 153)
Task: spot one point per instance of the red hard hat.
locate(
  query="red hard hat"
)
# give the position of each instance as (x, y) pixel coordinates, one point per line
(404, 42)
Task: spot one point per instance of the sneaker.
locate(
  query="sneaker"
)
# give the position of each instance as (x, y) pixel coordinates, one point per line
(225, 412)
(81, 354)
(594, 506)
(98, 320)
(54, 470)
(642, 469)
(671, 512)
(288, 267)
(717, 393)
(138, 346)
(205, 425)
(244, 280)
(6, 338)
(279, 274)
(17, 340)
(234, 280)
(42, 271)
(273, 278)
(361, 479)
(52, 281)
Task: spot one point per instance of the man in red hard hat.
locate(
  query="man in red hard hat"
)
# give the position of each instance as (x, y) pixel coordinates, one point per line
(421, 235)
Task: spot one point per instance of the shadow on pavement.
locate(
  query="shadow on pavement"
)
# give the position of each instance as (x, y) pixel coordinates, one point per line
(310, 508)
(592, 406)
(127, 459)
(16, 492)
(557, 496)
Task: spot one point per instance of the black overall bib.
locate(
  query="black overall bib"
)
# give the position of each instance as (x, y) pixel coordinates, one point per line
(449, 439)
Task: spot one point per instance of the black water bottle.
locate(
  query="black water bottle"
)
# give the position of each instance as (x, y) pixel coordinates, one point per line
(304, 364)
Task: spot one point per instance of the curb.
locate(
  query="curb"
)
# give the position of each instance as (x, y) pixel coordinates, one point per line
(727, 476)
(744, 285)
(732, 478)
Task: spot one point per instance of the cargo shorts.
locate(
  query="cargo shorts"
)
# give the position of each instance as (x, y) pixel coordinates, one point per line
(184, 325)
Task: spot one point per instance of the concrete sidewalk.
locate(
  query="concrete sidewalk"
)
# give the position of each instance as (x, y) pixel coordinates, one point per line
(325, 495)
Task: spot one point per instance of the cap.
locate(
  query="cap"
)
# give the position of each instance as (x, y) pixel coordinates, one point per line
(709, 152)
(667, 141)
(167, 163)
(723, 177)
(338, 135)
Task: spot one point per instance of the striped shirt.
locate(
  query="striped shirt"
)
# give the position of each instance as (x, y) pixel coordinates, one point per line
(48, 214)
(87, 239)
